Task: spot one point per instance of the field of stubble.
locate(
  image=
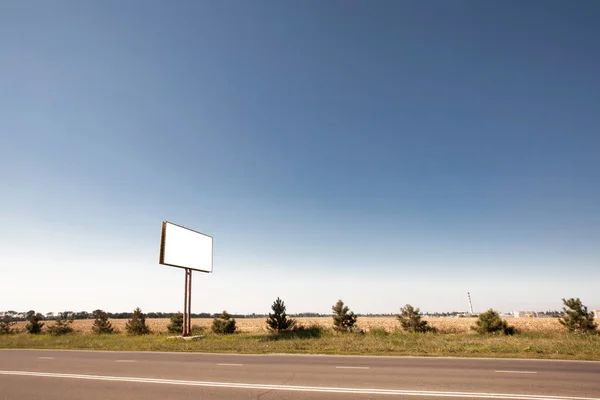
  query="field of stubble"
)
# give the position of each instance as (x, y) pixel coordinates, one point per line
(390, 324)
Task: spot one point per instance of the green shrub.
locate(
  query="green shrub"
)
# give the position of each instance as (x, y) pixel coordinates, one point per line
(355, 329)
(307, 332)
(577, 318)
(379, 332)
(278, 321)
(34, 326)
(224, 325)
(62, 325)
(344, 319)
(176, 325)
(6, 324)
(490, 322)
(300, 331)
(410, 319)
(137, 324)
(101, 323)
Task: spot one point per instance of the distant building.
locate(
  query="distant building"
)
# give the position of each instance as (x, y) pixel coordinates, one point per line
(525, 314)
(544, 315)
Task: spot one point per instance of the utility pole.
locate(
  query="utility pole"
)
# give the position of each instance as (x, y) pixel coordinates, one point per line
(470, 304)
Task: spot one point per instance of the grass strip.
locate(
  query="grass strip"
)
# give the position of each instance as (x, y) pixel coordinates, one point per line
(525, 345)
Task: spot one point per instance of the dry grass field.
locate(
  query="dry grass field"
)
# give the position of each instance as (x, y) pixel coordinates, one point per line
(390, 324)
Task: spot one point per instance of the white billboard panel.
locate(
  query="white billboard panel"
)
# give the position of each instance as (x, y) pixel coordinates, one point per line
(184, 248)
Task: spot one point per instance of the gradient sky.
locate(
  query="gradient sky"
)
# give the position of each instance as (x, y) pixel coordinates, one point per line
(383, 152)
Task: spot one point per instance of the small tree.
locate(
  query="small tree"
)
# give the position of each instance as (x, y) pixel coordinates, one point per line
(224, 324)
(34, 325)
(343, 319)
(410, 319)
(278, 321)
(176, 325)
(577, 318)
(490, 322)
(137, 324)
(101, 323)
(62, 325)
(6, 324)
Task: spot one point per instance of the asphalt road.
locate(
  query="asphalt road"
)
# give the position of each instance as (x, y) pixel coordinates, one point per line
(66, 375)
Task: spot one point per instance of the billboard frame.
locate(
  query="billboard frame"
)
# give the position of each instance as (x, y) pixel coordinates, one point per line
(163, 238)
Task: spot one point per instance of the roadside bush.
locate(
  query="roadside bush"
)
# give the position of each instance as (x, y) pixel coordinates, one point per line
(307, 332)
(34, 326)
(300, 331)
(278, 321)
(101, 323)
(176, 325)
(224, 325)
(490, 322)
(410, 319)
(344, 320)
(379, 332)
(62, 325)
(577, 318)
(137, 324)
(6, 324)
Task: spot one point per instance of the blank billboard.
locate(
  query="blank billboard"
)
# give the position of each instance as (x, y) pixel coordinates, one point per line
(184, 248)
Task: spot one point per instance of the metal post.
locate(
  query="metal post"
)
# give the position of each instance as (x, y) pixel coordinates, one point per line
(185, 305)
(189, 325)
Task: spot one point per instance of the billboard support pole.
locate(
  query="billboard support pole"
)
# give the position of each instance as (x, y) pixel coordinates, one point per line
(185, 289)
(187, 303)
(189, 324)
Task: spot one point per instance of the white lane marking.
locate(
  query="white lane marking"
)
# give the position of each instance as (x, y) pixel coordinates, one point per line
(230, 365)
(125, 360)
(46, 358)
(517, 372)
(353, 367)
(256, 386)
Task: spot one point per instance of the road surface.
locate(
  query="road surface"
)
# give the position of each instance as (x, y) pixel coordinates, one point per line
(77, 375)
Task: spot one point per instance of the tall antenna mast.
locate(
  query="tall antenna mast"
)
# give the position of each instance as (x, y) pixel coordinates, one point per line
(470, 304)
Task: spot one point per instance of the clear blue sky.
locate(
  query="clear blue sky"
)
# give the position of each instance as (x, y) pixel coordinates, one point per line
(384, 153)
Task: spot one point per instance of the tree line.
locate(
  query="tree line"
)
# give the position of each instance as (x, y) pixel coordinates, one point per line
(22, 316)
